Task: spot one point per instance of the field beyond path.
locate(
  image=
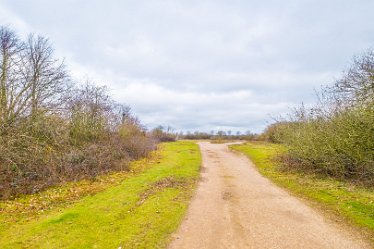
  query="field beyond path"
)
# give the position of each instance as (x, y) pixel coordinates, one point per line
(236, 207)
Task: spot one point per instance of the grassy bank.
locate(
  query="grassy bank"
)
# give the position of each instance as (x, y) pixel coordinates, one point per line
(342, 199)
(139, 209)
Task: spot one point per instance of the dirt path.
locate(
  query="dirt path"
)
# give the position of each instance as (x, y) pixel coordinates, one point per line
(235, 207)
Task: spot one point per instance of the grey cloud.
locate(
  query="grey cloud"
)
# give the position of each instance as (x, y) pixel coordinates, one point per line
(190, 64)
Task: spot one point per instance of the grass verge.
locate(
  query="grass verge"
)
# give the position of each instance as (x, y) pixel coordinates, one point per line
(139, 209)
(343, 200)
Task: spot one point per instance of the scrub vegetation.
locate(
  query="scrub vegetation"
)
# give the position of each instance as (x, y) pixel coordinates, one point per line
(53, 130)
(137, 209)
(336, 137)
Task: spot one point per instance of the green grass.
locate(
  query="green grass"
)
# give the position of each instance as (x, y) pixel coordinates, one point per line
(139, 211)
(353, 204)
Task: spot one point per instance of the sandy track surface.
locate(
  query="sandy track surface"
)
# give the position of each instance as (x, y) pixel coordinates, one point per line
(235, 207)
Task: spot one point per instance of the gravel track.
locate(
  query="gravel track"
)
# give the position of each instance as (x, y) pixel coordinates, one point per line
(235, 207)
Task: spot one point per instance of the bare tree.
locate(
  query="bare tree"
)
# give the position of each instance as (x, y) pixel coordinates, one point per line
(45, 76)
(11, 96)
(30, 78)
(357, 85)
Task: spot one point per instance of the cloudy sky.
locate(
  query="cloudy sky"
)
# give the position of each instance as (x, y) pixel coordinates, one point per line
(202, 64)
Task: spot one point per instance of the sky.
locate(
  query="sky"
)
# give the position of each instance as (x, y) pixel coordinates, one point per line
(202, 64)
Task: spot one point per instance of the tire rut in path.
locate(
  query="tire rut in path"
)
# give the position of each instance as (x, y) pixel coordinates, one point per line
(235, 207)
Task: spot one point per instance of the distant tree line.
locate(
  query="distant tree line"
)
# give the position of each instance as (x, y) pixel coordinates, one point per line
(336, 136)
(218, 135)
(54, 130)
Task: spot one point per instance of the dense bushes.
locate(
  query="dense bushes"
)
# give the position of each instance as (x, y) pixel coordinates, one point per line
(163, 135)
(342, 146)
(276, 132)
(336, 137)
(52, 130)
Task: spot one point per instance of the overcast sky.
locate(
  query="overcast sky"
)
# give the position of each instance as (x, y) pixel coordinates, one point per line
(199, 64)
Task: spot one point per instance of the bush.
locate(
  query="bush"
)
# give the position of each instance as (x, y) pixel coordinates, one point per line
(275, 133)
(335, 138)
(160, 135)
(341, 146)
(35, 155)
